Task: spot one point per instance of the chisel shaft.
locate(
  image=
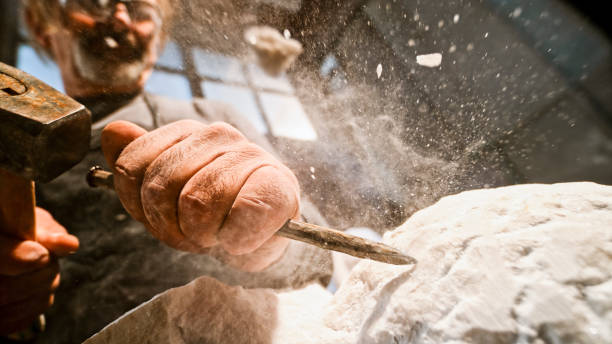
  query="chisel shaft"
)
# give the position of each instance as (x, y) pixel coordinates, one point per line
(326, 238)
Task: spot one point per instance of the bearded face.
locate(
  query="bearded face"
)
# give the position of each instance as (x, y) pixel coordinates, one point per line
(110, 57)
(104, 48)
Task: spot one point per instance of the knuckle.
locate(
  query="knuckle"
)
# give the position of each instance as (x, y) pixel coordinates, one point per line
(189, 123)
(190, 202)
(256, 150)
(270, 195)
(224, 129)
(239, 247)
(209, 188)
(261, 202)
(193, 211)
(250, 153)
(124, 170)
(237, 240)
(156, 173)
(152, 192)
(153, 198)
(26, 256)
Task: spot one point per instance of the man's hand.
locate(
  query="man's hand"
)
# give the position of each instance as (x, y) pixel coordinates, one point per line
(29, 272)
(203, 188)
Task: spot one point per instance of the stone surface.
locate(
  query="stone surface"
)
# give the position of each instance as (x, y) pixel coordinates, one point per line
(208, 311)
(507, 265)
(519, 264)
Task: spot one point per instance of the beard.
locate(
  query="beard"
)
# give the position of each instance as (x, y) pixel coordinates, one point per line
(109, 59)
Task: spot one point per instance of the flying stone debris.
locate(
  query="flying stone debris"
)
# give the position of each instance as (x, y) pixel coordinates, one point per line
(275, 51)
(429, 60)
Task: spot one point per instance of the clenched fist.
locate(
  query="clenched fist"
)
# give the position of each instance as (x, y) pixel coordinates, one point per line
(203, 188)
(29, 272)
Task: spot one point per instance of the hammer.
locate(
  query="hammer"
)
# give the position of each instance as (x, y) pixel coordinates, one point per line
(43, 133)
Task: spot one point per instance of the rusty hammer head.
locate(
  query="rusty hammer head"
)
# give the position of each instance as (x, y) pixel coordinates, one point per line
(43, 132)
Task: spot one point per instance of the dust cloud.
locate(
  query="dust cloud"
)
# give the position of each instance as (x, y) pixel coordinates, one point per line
(410, 101)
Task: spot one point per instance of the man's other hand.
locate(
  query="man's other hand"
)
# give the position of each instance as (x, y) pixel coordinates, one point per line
(203, 188)
(29, 272)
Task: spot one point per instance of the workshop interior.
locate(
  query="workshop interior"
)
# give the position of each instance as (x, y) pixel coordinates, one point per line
(390, 105)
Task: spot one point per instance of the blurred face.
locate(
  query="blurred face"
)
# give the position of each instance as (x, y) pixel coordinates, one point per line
(106, 46)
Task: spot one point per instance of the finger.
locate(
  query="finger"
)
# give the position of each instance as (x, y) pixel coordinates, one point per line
(168, 174)
(266, 254)
(24, 313)
(136, 157)
(54, 236)
(18, 288)
(115, 136)
(267, 200)
(21, 256)
(207, 198)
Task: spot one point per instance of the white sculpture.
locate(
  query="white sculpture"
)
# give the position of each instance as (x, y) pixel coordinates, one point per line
(519, 264)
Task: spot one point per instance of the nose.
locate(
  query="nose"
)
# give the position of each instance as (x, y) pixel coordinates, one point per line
(121, 17)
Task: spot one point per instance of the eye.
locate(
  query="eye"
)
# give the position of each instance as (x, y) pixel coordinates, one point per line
(87, 6)
(100, 3)
(141, 11)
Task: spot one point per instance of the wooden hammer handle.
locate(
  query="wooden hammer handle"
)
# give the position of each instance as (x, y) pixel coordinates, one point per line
(17, 206)
(18, 220)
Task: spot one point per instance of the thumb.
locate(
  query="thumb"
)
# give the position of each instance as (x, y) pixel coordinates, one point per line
(115, 136)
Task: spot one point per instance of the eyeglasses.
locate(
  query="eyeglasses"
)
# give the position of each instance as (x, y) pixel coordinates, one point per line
(139, 10)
